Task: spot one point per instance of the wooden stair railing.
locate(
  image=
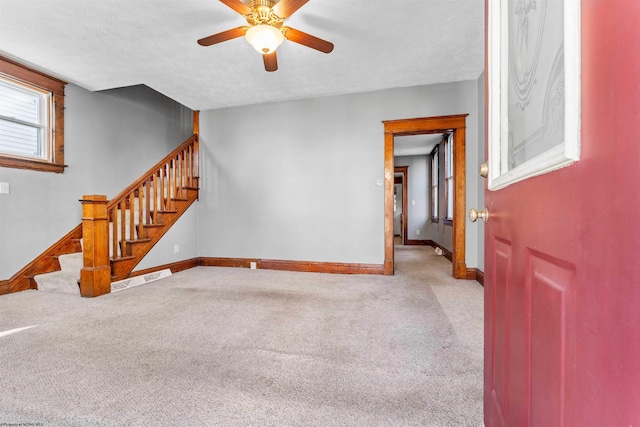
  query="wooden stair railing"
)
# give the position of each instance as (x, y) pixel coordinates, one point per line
(158, 199)
(145, 210)
(141, 214)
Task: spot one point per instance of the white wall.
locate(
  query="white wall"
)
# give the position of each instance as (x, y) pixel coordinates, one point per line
(296, 180)
(111, 138)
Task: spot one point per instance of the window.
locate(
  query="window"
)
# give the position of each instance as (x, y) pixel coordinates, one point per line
(24, 120)
(448, 176)
(435, 182)
(31, 119)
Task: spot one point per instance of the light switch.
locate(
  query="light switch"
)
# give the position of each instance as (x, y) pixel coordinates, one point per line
(4, 188)
(413, 202)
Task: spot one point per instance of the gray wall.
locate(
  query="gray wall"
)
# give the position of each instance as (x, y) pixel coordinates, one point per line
(418, 191)
(299, 173)
(440, 232)
(397, 214)
(296, 180)
(111, 138)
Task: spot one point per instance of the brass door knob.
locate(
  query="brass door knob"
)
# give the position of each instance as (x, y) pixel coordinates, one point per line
(475, 214)
(484, 169)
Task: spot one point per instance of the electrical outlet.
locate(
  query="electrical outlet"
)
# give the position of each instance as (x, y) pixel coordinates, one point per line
(417, 232)
(413, 203)
(4, 188)
(252, 264)
(176, 249)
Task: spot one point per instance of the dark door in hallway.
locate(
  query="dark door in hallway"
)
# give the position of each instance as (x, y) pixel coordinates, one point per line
(562, 292)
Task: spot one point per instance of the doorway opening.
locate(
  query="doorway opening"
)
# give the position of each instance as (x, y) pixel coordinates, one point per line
(456, 125)
(400, 197)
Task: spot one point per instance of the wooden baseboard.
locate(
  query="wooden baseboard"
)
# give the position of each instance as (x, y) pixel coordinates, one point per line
(418, 242)
(480, 276)
(475, 274)
(265, 264)
(5, 287)
(445, 252)
(469, 273)
(226, 262)
(174, 267)
(303, 266)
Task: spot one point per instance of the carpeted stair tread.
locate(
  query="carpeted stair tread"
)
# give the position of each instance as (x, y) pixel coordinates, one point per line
(61, 282)
(71, 262)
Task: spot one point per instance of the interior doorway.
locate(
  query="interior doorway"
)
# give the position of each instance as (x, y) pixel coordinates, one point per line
(400, 196)
(456, 125)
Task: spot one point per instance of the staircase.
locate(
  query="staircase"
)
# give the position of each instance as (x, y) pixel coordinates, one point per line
(135, 221)
(146, 210)
(64, 281)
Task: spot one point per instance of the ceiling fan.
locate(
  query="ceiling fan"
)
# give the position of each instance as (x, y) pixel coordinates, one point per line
(265, 31)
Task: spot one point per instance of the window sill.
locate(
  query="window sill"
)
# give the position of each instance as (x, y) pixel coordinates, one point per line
(435, 220)
(448, 222)
(42, 166)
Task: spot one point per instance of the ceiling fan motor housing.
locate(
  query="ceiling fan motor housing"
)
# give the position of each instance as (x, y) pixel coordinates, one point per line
(262, 13)
(265, 3)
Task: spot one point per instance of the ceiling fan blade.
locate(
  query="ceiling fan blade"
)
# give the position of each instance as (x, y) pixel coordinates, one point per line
(238, 6)
(270, 61)
(223, 36)
(308, 40)
(286, 8)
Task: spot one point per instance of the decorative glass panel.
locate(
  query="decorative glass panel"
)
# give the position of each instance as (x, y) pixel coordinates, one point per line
(534, 88)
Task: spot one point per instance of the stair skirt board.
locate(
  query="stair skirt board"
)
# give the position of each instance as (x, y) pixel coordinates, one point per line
(139, 280)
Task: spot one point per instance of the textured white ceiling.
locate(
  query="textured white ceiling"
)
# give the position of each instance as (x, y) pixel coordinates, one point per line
(379, 44)
(414, 145)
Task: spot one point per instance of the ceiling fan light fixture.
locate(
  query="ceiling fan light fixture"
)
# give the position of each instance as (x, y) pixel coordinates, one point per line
(264, 38)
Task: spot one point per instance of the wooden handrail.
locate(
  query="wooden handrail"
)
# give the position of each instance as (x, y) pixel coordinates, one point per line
(143, 203)
(175, 176)
(124, 193)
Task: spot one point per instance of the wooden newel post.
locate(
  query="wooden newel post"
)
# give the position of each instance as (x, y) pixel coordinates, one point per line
(95, 276)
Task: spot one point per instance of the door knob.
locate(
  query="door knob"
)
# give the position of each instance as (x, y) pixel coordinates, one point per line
(484, 169)
(475, 214)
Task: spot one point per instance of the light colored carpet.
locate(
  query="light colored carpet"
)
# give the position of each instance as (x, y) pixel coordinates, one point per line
(237, 347)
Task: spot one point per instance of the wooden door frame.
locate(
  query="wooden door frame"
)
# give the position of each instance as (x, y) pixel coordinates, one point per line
(456, 124)
(404, 170)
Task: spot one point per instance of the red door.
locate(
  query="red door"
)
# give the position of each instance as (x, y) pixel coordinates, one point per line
(562, 256)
